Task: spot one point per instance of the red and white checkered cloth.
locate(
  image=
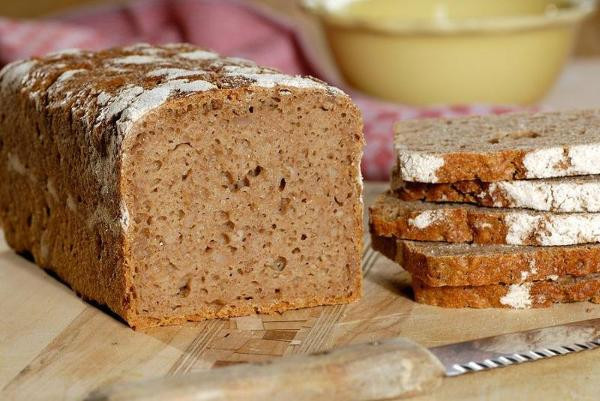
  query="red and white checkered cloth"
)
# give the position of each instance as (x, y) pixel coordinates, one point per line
(228, 26)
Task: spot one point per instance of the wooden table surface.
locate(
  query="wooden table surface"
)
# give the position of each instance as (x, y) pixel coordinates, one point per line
(53, 346)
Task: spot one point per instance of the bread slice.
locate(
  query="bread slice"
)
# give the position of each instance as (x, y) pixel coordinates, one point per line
(499, 148)
(564, 195)
(174, 185)
(438, 264)
(453, 222)
(537, 294)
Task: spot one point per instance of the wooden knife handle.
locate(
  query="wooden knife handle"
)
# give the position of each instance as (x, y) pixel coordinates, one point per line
(376, 371)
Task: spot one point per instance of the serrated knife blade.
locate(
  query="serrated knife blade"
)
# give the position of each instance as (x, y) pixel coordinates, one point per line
(514, 348)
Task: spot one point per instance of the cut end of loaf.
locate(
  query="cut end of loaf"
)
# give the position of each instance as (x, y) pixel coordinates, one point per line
(243, 203)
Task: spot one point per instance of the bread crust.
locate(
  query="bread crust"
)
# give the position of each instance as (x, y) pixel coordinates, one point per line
(461, 223)
(563, 195)
(499, 148)
(439, 264)
(538, 294)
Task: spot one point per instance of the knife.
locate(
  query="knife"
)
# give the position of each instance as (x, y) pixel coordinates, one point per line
(380, 370)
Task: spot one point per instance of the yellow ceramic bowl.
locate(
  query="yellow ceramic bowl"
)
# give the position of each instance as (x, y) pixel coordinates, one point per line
(425, 52)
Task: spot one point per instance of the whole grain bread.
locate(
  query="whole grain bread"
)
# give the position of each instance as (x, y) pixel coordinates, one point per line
(499, 148)
(457, 223)
(537, 294)
(174, 185)
(564, 195)
(438, 264)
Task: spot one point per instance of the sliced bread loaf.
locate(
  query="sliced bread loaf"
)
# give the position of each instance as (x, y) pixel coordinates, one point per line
(173, 185)
(537, 294)
(565, 195)
(425, 221)
(499, 148)
(439, 264)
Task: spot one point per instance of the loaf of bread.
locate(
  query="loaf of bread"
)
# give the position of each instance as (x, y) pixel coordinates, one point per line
(456, 222)
(174, 185)
(499, 148)
(537, 294)
(438, 264)
(564, 195)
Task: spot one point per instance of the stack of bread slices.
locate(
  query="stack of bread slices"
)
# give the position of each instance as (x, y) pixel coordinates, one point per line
(496, 211)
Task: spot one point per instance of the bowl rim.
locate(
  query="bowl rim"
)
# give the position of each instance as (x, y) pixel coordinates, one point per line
(575, 12)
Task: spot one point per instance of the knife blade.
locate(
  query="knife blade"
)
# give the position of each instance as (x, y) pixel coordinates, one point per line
(514, 348)
(379, 370)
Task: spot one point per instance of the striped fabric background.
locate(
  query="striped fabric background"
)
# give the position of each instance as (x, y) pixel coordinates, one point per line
(227, 26)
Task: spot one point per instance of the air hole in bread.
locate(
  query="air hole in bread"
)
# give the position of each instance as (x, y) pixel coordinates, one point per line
(517, 135)
(186, 289)
(224, 238)
(256, 172)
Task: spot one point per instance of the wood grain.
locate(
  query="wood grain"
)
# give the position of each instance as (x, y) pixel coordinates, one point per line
(55, 347)
(398, 367)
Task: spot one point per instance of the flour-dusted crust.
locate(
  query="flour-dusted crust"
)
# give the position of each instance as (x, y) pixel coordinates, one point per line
(537, 294)
(499, 148)
(426, 221)
(172, 184)
(440, 264)
(564, 195)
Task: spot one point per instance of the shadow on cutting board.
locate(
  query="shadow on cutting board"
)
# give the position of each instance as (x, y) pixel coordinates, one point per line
(398, 283)
(26, 262)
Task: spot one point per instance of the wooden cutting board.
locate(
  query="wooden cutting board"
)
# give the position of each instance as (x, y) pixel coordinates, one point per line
(53, 346)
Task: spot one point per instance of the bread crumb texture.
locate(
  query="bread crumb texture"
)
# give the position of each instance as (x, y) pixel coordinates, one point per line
(173, 184)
